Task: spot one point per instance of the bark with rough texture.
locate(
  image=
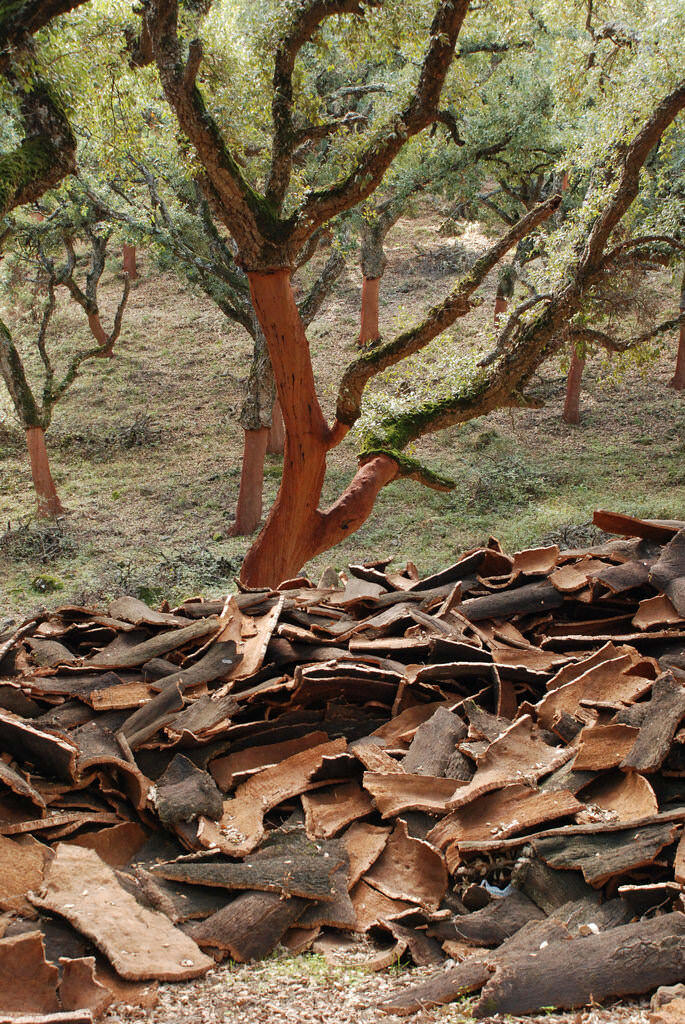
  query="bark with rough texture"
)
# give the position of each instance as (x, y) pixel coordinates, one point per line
(677, 381)
(571, 412)
(49, 504)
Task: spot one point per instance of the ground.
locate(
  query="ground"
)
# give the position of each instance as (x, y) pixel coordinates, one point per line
(308, 990)
(146, 446)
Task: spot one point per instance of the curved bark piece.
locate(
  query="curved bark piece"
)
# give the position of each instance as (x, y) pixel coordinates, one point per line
(409, 869)
(28, 984)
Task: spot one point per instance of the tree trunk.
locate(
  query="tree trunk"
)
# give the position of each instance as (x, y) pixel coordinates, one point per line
(295, 529)
(100, 335)
(130, 266)
(49, 504)
(369, 331)
(501, 305)
(248, 511)
(276, 441)
(571, 412)
(677, 381)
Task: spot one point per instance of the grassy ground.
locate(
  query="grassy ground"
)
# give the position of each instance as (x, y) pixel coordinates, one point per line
(146, 447)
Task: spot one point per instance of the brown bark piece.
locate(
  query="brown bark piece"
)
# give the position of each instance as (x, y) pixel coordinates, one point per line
(629, 526)
(372, 908)
(54, 756)
(375, 759)
(204, 718)
(250, 927)
(395, 793)
(27, 983)
(602, 855)
(628, 960)
(608, 680)
(668, 573)
(674, 1011)
(79, 989)
(433, 744)
(131, 609)
(135, 993)
(656, 611)
(573, 670)
(409, 869)
(21, 870)
(232, 768)
(241, 826)
(520, 755)
(116, 846)
(530, 598)
(146, 721)
(679, 862)
(629, 796)
(662, 716)
(218, 662)
(139, 943)
(505, 812)
(11, 778)
(328, 811)
(364, 844)
(536, 561)
(408, 721)
(626, 576)
(251, 636)
(602, 747)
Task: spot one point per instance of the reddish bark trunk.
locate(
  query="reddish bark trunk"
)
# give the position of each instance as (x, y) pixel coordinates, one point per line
(296, 529)
(677, 381)
(369, 331)
(130, 265)
(248, 511)
(501, 305)
(571, 412)
(276, 441)
(49, 504)
(100, 335)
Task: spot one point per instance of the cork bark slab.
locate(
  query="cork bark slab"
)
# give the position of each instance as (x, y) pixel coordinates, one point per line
(328, 811)
(27, 983)
(395, 793)
(139, 943)
(409, 869)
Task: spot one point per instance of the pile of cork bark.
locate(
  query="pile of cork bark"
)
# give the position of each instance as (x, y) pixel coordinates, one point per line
(484, 766)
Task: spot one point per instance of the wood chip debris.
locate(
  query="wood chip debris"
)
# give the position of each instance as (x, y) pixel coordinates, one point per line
(489, 758)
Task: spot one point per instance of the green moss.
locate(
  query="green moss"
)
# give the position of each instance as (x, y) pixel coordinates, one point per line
(412, 468)
(29, 162)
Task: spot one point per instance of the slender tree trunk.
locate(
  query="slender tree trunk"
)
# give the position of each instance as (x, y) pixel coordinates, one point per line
(276, 441)
(295, 529)
(501, 306)
(130, 266)
(571, 412)
(369, 331)
(49, 504)
(248, 511)
(677, 381)
(100, 335)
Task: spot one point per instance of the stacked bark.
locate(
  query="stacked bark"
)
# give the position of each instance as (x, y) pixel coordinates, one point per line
(485, 766)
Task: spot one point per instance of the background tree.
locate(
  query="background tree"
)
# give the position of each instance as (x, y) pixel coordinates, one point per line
(34, 403)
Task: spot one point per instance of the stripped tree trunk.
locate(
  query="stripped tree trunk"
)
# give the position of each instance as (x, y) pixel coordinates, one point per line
(49, 504)
(276, 441)
(571, 412)
(501, 305)
(677, 381)
(130, 266)
(295, 529)
(248, 511)
(101, 336)
(369, 332)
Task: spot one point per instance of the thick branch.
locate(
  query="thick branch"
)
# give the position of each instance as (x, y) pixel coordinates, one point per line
(317, 294)
(457, 304)
(18, 21)
(589, 334)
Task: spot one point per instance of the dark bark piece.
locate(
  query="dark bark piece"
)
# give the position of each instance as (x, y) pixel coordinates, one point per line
(219, 661)
(156, 646)
(50, 653)
(52, 755)
(307, 875)
(28, 984)
(139, 943)
(116, 846)
(662, 716)
(552, 889)
(605, 854)
(11, 778)
(532, 597)
(179, 902)
(99, 746)
(501, 919)
(424, 950)
(619, 578)
(184, 791)
(433, 744)
(668, 572)
(629, 960)
(446, 986)
(146, 721)
(250, 927)
(337, 912)
(204, 718)
(138, 613)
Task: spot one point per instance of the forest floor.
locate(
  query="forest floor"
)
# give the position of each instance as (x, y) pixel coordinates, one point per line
(309, 990)
(146, 447)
